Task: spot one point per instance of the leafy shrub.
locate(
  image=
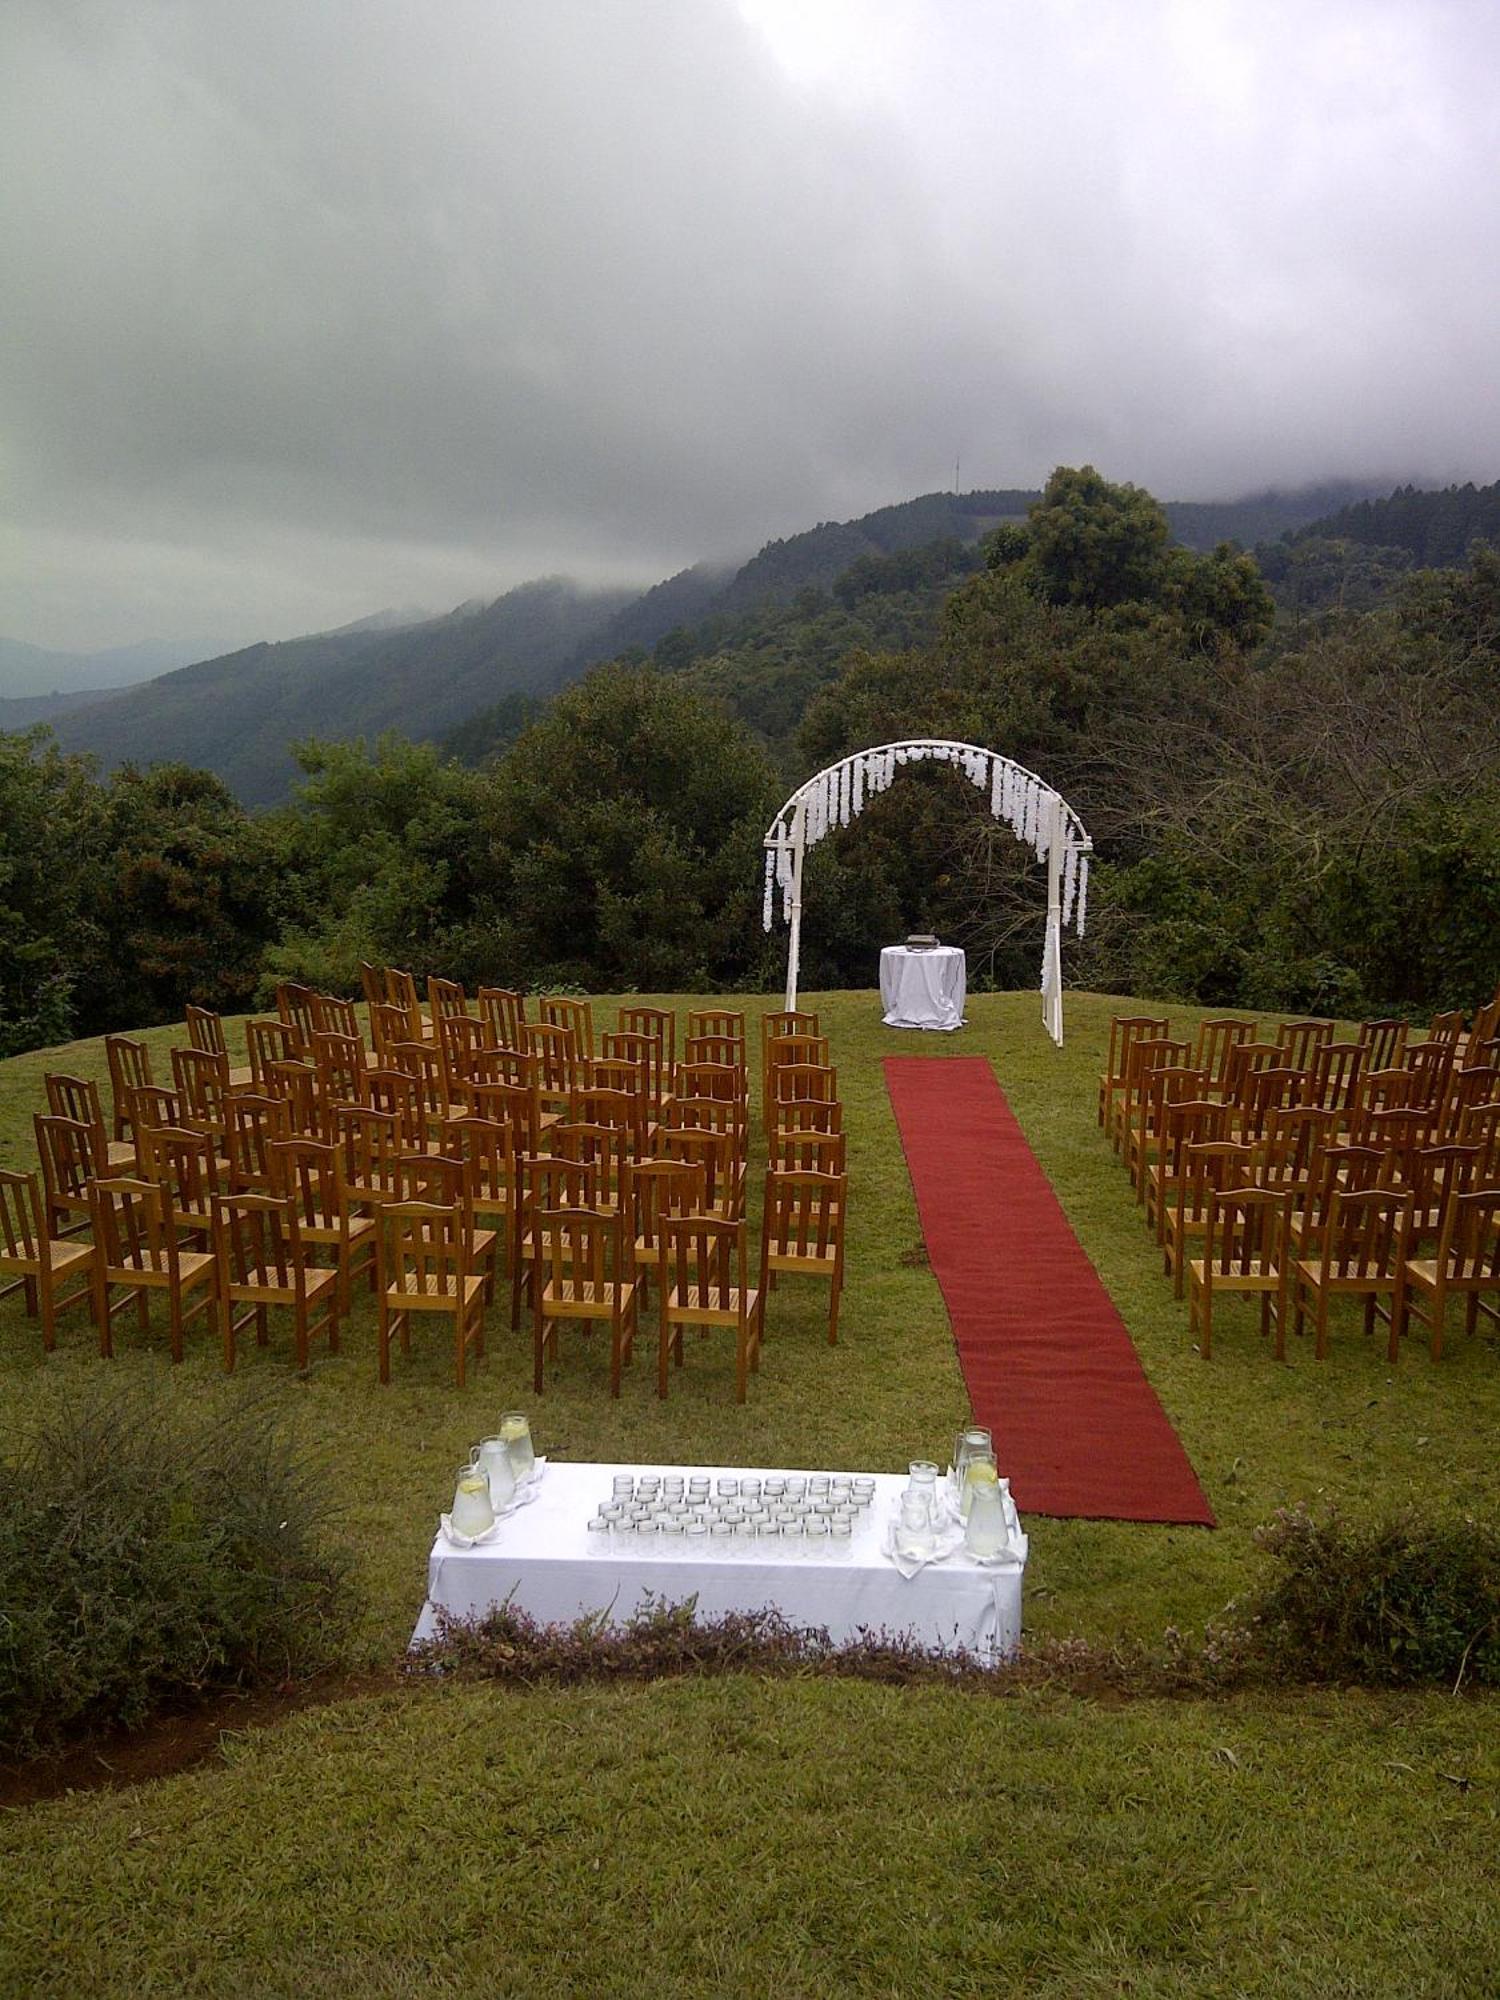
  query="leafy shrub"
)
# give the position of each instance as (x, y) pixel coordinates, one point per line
(1389, 1603)
(148, 1558)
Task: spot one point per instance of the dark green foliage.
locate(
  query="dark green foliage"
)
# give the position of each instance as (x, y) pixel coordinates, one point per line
(50, 830)
(150, 1557)
(1094, 543)
(625, 839)
(1436, 529)
(1385, 1603)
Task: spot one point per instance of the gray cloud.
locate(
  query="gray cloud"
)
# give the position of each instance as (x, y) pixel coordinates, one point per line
(314, 307)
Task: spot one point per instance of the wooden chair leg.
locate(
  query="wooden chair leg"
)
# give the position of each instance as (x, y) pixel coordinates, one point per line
(385, 1337)
(226, 1328)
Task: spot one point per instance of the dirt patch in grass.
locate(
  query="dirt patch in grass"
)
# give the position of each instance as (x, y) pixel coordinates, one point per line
(174, 1743)
(915, 1259)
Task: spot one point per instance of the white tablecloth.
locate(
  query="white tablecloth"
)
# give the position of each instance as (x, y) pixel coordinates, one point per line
(540, 1561)
(923, 989)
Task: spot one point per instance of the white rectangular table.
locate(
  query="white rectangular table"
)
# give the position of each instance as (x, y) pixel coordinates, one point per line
(923, 989)
(541, 1562)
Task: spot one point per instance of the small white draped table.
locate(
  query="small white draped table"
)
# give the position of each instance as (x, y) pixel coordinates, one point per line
(923, 989)
(541, 1560)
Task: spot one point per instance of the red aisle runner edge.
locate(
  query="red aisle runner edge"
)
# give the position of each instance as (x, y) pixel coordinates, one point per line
(1050, 1366)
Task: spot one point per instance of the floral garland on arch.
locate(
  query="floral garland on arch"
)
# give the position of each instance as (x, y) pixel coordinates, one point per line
(1036, 813)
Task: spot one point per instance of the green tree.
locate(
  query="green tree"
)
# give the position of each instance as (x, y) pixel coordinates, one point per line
(51, 835)
(1094, 543)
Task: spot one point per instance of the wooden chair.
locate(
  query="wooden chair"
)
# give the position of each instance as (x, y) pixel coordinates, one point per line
(1438, 1176)
(150, 1104)
(1160, 1086)
(342, 1072)
(1333, 1080)
(576, 1020)
(1268, 1091)
(77, 1098)
(802, 1083)
(1384, 1043)
(715, 1114)
(714, 1154)
(184, 1166)
(1479, 1126)
(802, 1233)
(1297, 1041)
(462, 1041)
(1364, 1251)
(720, 1022)
(430, 1179)
(1466, 1266)
(294, 1007)
(295, 1084)
(401, 991)
(1295, 1139)
(655, 1190)
(783, 1052)
(70, 1158)
(39, 1263)
(308, 1175)
(1336, 1168)
(1242, 1065)
(446, 1001)
(1242, 1254)
(628, 1112)
(1146, 1054)
(268, 1042)
(518, 1107)
(1124, 1031)
(263, 1265)
(1185, 1121)
(1207, 1167)
(640, 1055)
(542, 1183)
(503, 1011)
(720, 1051)
(724, 1081)
(1448, 1027)
(202, 1082)
(389, 1024)
(253, 1125)
(1211, 1046)
(704, 1284)
(424, 1267)
(559, 1068)
(486, 1149)
(372, 983)
(205, 1031)
(368, 1144)
(332, 1014)
(608, 1149)
(129, 1069)
(423, 1063)
(1431, 1066)
(398, 1094)
(583, 1273)
(136, 1250)
(801, 1149)
(659, 1026)
(1468, 1088)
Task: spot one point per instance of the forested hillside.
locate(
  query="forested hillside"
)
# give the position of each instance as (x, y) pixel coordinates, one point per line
(1297, 817)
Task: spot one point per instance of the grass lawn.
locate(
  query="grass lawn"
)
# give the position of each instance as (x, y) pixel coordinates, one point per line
(806, 1836)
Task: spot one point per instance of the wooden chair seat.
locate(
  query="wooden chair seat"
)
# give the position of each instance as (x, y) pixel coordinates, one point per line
(431, 1292)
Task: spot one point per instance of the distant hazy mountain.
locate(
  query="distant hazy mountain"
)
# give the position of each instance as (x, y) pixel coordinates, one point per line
(467, 679)
(239, 715)
(36, 670)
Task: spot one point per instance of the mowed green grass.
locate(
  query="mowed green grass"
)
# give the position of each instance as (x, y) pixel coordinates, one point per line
(806, 1837)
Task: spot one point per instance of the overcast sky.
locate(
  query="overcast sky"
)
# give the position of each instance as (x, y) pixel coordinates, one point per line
(316, 306)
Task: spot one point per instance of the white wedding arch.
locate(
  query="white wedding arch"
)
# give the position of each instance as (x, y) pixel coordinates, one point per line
(1035, 812)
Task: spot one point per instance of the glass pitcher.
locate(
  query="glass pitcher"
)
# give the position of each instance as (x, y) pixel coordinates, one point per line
(914, 1536)
(516, 1432)
(986, 1533)
(975, 1438)
(494, 1456)
(473, 1514)
(978, 1466)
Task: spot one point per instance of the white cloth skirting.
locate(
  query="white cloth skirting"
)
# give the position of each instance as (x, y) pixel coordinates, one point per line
(923, 989)
(541, 1562)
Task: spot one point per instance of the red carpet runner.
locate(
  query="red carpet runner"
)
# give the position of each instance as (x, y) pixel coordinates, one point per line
(1049, 1365)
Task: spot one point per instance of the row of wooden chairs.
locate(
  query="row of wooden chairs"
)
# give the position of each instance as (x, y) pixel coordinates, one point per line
(1302, 1191)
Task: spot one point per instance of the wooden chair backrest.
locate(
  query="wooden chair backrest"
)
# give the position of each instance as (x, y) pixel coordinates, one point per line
(70, 1154)
(1479, 1125)
(367, 1142)
(423, 1063)
(1125, 1030)
(22, 1230)
(372, 984)
(1398, 1134)
(1146, 1056)
(1243, 1062)
(1269, 1090)
(720, 1021)
(1367, 1232)
(659, 1188)
(75, 1097)
(1480, 1085)
(786, 1021)
(1430, 1065)
(720, 1051)
(129, 1067)
(1244, 1230)
(1446, 1027)
(435, 1179)
(503, 1010)
(1384, 1043)
(131, 1227)
(1209, 1165)
(334, 1015)
(1296, 1040)
(804, 1213)
(794, 1120)
(487, 1149)
(619, 1072)
(446, 999)
(798, 1150)
(461, 1041)
(1189, 1121)
(1469, 1247)
(575, 1018)
(296, 1085)
(307, 1173)
(549, 1184)
(205, 1030)
(183, 1164)
(800, 1083)
(339, 1061)
(660, 1023)
(150, 1104)
(639, 1052)
(1342, 1166)
(608, 1149)
(389, 1024)
(712, 1153)
(428, 1249)
(268, 1042)
(253, 1125)
(202, 1080)
(294, 1006)
(725, 1081)
(554, 1050)
(1214, 1041)
(516, 1106)
(622, 1109)
(1485, 1027)
(259, 1241)
(1440, 1173)
(1333, 1076)
(581, 1246)
(399, 1094)
(706, 1254)
(1295, 1136)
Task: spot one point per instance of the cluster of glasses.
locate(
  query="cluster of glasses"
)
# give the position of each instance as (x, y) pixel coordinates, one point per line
(772, 1515)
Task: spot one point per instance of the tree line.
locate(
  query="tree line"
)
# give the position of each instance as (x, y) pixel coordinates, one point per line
(1291, 813)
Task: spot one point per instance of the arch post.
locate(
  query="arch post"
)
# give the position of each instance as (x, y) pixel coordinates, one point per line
(794, 937)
